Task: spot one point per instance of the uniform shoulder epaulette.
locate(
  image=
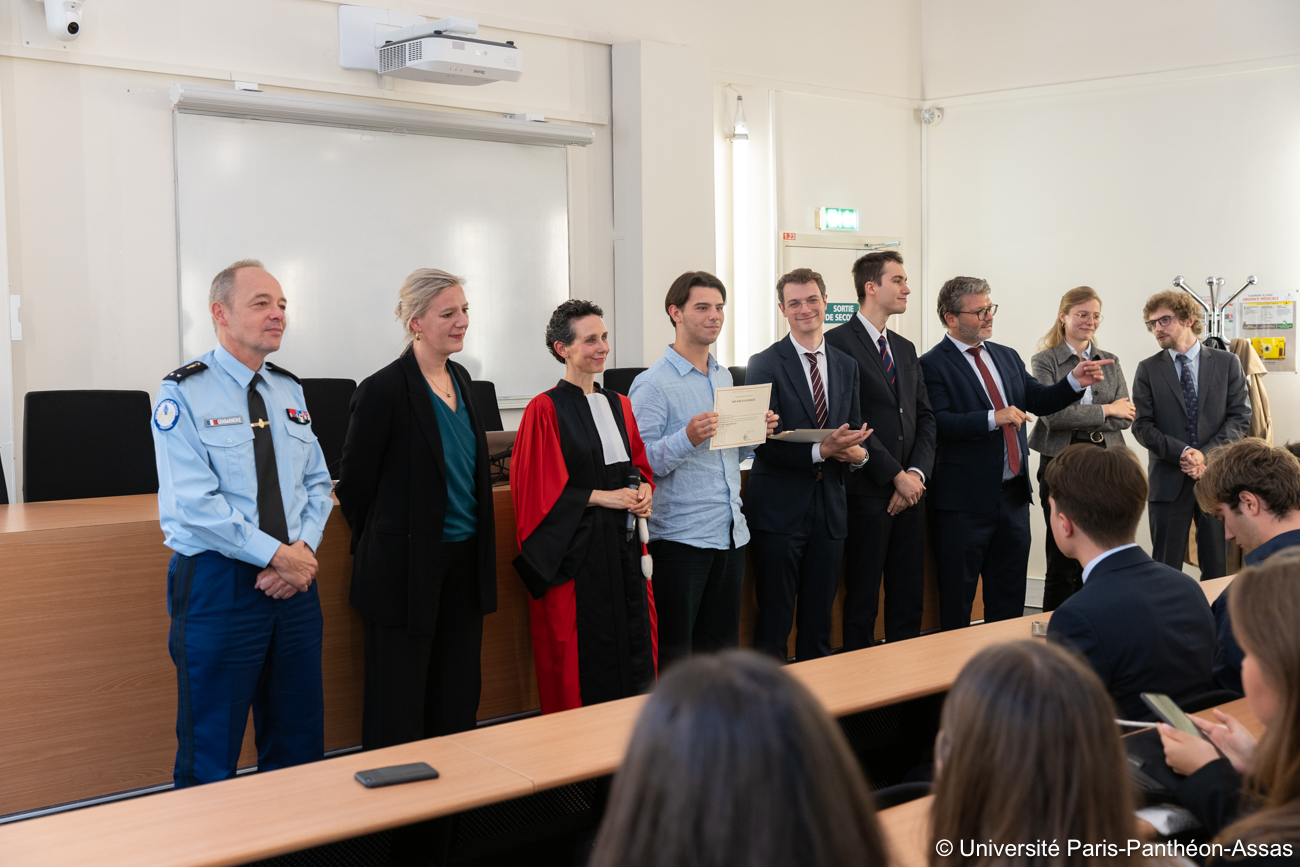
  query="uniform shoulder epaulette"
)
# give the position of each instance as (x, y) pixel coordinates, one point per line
(188, 370)
(278, 369)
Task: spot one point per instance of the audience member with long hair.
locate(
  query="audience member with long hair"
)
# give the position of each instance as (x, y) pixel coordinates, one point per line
(1029, 751)
(733, 763)
(1257, 783)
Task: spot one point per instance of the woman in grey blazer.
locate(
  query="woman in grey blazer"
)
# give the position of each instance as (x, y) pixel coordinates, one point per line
(1097, 418)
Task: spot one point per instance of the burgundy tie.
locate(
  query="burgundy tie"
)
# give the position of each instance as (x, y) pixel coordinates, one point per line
(819, 393)
(1008, 432)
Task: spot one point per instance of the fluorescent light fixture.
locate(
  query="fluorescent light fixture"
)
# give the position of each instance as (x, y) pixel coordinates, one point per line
(370, 116)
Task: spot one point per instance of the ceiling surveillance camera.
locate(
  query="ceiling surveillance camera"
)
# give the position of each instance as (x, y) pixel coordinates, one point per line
(63, 18)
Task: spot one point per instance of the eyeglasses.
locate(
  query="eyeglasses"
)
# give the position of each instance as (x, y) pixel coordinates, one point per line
(985, 313)
(1162, 322)
(1088, 317)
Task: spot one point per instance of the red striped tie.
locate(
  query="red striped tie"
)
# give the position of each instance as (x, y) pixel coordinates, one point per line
(819, 393)
(1008, 432)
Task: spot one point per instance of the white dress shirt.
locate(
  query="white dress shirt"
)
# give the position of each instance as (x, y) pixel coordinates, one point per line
(822, 368)
(1092, 564)
(875, 342)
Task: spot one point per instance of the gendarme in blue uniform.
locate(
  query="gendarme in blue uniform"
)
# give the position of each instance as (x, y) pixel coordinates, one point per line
(234, 646)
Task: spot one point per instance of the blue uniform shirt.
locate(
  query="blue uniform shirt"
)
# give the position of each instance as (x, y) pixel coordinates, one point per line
(207, 478)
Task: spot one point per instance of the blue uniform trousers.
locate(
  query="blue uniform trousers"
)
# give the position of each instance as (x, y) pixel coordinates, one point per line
(235, 647)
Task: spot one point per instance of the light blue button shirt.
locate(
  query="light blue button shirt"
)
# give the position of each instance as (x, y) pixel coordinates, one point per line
(1096, 561)
(207, 477)
(1193, 364)
(697, 491)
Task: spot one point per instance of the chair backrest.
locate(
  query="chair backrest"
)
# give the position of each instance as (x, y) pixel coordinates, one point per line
(737, 374)
(79, 444)
(620, 378)
(330, 403)
(484, 395)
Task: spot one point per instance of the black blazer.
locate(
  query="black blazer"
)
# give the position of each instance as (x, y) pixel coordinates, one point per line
(393, 491)
(903, 421)
(784, 477)
(969, 459)
(1144, 627)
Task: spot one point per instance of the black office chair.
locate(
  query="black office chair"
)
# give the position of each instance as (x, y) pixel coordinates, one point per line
(484, 395)
(737, 374)
(1207, 700)
(330, 403)
(620, 378)
(4, 488)
(80, 444)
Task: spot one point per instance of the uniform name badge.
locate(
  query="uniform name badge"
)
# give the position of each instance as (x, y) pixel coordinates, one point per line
(166, 414)
(222, 422)
(301, 416)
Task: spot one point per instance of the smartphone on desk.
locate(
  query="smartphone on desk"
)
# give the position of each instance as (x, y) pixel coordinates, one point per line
(1164, 707)
(395, 774)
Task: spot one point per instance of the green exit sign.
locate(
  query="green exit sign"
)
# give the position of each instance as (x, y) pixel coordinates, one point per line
(838, 313)
(838, 219)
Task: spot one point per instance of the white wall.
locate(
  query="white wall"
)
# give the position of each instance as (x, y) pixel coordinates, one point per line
(1121, 188)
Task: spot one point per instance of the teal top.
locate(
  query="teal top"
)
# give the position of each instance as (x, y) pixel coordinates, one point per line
(459, 450)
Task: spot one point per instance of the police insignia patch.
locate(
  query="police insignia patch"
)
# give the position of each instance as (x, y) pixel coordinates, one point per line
(166, 415)
(301, 416)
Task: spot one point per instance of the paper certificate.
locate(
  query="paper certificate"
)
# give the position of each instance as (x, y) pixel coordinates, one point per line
(742, 415)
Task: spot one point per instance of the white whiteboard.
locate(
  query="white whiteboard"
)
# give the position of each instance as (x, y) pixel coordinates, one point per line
(341, 216)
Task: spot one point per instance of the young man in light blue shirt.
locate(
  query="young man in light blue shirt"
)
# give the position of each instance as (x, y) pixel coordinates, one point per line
(697, 530)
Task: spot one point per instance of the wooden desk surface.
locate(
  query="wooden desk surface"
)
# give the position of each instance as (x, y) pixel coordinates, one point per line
(907, 829)
(242, 820)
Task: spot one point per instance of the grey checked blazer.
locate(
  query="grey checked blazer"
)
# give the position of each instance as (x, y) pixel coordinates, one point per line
(1053, 432)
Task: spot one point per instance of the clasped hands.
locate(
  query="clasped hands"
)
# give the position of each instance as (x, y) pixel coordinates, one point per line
(1192, 462)
(908, 489)
(637, 502)
(290, 571)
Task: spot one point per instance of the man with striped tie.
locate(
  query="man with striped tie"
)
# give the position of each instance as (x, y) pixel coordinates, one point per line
(885, 508)
(795, 502)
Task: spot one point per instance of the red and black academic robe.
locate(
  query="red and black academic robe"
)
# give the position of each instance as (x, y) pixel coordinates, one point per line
(592, 611)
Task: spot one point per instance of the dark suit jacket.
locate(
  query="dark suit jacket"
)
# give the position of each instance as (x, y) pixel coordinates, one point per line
(1161, 422)
(903, 421)
(1227, 661)
(1144, 627)
(969, 460)
(784, 478)
(393, 491)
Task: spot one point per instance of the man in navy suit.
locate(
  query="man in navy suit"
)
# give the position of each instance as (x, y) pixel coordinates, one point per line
(1255, 490)
(886, 514)
(1144, 626)
(980, 494)
(795, 501)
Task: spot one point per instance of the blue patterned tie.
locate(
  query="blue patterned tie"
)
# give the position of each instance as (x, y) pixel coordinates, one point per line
(1189, 396)
(889, 362)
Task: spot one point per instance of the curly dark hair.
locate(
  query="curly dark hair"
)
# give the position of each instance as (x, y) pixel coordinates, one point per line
(560, 328)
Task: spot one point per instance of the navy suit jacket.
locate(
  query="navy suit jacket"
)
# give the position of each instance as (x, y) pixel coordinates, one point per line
(784, 478)
(1144, 627)
(902, 418)
(1227, 662)
(969, 459)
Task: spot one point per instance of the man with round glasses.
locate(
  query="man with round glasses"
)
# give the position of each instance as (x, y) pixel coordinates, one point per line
(1190, 399)
(980, 494)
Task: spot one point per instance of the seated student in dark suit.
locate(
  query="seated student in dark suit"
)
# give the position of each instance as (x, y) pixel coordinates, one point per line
(980, 494)
(1255, 490)
(795, 502)
(1144, 626)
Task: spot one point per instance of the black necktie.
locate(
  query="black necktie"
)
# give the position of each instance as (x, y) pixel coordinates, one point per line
(1193, 406)
(270, 507)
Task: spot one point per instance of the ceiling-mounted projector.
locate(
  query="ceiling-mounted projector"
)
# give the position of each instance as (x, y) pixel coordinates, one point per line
(443, 51)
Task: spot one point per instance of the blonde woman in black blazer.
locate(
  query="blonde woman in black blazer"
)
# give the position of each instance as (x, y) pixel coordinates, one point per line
(1099, 417)
(415, 490)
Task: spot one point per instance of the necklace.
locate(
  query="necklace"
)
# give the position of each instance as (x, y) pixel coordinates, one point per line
(446, 391)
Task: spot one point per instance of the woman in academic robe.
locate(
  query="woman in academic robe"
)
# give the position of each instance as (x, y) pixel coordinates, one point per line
(579, 477)
(415, 489)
